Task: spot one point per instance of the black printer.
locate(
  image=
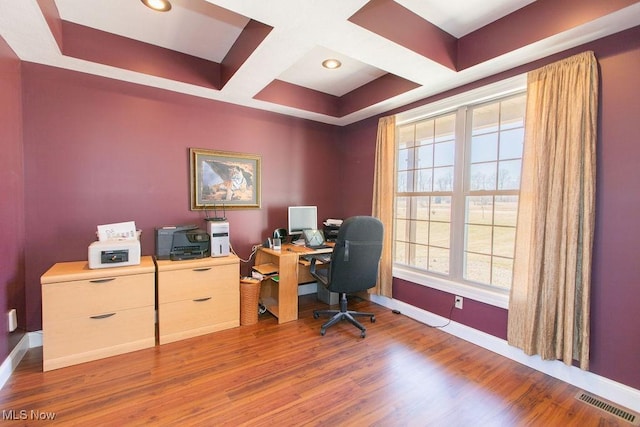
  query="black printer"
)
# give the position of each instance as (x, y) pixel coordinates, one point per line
(180, 242)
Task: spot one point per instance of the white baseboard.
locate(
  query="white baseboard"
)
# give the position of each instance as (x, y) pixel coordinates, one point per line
(35, 339)
(588, 381)
(29, 340)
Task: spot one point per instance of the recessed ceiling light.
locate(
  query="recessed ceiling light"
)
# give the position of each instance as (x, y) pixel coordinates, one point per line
(159, 5)
(331, 64)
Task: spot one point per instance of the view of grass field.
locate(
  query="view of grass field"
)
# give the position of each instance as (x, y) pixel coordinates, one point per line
(484, 240)
(489, 236)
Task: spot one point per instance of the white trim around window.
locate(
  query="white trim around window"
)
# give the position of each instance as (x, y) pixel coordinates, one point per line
(496, 90)
(491, 296)
(494, 297)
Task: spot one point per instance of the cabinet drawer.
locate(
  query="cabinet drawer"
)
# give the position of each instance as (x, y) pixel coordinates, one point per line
(188, 318)
(201, 282)
(87, 297)
(80, 339)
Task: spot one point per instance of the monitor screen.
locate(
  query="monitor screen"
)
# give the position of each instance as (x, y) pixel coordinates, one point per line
(302, 218)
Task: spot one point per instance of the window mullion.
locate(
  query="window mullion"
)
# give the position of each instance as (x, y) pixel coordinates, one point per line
(457, 202)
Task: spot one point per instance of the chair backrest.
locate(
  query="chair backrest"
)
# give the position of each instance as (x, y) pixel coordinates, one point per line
(356, 255)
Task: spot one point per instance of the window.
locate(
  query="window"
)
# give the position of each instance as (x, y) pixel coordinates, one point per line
(424, 192)
(458, 179)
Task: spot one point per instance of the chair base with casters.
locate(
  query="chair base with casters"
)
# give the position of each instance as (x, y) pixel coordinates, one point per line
(343, 314)
(353, 267)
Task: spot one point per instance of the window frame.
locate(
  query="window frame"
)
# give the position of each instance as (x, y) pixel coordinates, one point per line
(493, 92)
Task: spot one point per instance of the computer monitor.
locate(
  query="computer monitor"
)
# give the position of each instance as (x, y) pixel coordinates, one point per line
(302, 218)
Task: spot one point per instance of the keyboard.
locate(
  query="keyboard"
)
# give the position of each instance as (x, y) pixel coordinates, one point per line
(324, 258)
(318, 247)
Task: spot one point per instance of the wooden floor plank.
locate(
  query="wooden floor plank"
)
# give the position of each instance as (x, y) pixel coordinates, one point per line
(402, 374)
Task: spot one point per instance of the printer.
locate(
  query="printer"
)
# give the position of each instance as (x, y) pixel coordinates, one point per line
(180, 242)
(114, 253)
(118, 245)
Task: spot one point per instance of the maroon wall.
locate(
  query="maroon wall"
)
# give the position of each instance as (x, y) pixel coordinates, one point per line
(615, 343)
(100, 151)
(12, 191)
(615, 304)
(357, 162)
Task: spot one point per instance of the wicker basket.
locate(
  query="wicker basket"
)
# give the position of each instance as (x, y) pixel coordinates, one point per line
(249, 299)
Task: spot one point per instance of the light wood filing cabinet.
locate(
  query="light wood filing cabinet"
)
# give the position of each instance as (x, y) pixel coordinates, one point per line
(197, 297)
(90, 314)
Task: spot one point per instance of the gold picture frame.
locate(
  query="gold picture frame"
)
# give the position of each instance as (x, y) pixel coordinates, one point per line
(224, 180)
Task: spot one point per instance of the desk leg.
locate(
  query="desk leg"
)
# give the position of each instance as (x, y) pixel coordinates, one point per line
(288, 288)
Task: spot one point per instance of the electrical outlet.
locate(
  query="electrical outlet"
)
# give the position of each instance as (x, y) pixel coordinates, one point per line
(458, 303)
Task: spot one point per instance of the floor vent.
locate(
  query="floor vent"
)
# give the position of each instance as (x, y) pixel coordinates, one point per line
(611, 408)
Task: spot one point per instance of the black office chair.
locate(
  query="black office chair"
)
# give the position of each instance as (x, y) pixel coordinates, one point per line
(353, 267)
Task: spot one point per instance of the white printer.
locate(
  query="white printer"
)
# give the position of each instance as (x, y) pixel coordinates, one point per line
(118, 245)
(114, 253)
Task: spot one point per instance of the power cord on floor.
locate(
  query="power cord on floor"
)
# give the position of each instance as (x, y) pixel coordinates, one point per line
(434, 326)
(448, 320)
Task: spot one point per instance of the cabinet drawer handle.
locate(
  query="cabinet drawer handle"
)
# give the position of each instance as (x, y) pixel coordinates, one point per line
(102, 316)
(202, 269)
(202, 299)
(102, 280)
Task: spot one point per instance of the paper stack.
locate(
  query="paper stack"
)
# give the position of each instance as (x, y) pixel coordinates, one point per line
(118, 231)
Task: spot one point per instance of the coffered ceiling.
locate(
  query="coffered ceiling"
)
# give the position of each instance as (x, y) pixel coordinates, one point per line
(267, 54)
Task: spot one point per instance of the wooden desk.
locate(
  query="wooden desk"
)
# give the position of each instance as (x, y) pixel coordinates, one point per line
(281, 298)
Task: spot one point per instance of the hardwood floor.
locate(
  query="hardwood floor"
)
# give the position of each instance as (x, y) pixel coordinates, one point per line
(402, 374)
